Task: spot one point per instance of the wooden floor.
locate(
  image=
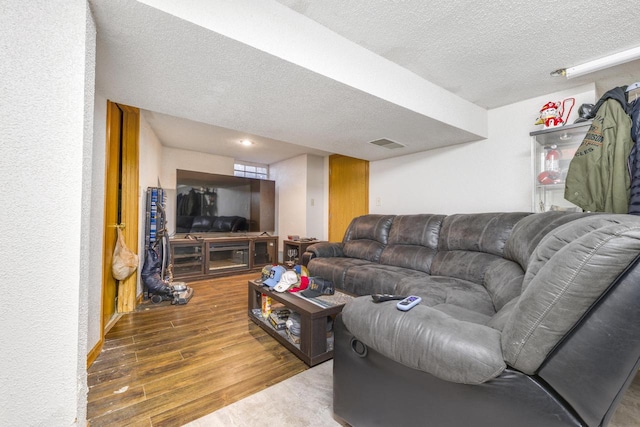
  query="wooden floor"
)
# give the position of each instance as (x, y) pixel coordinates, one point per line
(166, 365)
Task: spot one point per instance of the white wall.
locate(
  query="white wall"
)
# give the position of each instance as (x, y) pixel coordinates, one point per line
(150, 169)
(47, 53)
(300, 180)
(291, 189)
(490, 175)
(89, 223)
(149, 172)
(317, 194)
(96, 238)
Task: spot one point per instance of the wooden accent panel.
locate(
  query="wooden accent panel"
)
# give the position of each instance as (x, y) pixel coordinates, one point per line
(111, 197)
(348, 193)
(129, 200)
(120, 206)
(263, 201)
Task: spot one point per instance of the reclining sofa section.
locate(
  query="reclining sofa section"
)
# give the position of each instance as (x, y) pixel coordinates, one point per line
(526, 319)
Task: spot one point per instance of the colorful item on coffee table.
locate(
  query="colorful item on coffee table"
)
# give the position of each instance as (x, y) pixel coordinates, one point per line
(304, 278)
(318, 286)
(274, 276)
(288, 280)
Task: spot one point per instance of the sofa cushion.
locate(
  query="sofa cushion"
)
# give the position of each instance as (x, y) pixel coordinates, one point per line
(467, 265)
(367, 236)
(377, 278)
(427, 339)
(421, 230)
(486, 232)
(436, 290)
(470, 243)
(462, 313)
(371, 227)
(365, 249)
(413, 241)
(333, 268)
(528, 232)
(569, 270)
(501, 318)
(409, 256)
(503, 280)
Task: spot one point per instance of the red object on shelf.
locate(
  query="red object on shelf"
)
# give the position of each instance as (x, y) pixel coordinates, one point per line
(546, 177)
(552, 160)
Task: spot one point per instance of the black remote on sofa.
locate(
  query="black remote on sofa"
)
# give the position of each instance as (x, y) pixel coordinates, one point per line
(386, 297)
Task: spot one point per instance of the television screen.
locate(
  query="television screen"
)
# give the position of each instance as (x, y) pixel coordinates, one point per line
(212, 203)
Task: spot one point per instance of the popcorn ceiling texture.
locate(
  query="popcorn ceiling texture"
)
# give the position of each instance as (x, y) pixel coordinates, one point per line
(491, 54)
(333, 75)
(202, 72)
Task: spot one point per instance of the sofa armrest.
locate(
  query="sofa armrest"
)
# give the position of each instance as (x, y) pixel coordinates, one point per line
(427, 339)
(322, 250)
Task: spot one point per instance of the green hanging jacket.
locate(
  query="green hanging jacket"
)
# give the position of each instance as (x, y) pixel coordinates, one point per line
(598, 177)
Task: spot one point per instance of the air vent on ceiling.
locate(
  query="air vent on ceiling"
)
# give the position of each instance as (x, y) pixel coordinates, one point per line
(385, 143)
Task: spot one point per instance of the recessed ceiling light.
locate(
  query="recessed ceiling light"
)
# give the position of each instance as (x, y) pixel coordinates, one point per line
(246, 142)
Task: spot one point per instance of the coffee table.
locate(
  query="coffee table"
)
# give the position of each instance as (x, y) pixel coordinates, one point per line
(313, 347)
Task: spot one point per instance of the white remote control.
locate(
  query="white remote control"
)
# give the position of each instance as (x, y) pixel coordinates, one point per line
(408, 303)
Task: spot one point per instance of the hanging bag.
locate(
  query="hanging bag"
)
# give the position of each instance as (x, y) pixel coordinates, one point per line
(124, 261)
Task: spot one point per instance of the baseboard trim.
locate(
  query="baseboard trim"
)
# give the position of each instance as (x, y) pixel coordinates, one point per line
(114, 319)
(95, 352)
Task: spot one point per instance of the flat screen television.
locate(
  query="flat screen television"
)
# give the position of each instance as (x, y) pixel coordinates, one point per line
(209, 203)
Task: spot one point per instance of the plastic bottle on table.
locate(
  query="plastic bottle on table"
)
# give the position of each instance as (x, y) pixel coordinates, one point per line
(266, 306)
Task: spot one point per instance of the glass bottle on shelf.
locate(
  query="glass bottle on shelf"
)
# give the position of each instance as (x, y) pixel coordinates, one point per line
(552, 150)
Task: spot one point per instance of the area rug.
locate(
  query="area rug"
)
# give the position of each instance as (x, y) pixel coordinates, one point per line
(304, 400)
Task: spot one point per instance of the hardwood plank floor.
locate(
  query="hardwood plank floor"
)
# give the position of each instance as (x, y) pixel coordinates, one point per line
(166, 365)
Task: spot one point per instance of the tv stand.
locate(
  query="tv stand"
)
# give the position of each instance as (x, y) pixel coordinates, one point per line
(210, 255)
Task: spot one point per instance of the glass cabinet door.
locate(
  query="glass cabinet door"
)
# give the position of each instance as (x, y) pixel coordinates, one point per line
(552, 151)
(187, 259)
(264, 252)
(227, 256)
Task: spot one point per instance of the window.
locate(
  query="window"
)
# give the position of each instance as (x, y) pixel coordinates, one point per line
(251, 170)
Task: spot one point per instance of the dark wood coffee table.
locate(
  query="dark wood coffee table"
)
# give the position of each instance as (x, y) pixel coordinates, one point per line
(313, 347)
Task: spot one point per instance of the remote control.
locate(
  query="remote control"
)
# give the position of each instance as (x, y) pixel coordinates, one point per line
(386, 297)
(408, 303)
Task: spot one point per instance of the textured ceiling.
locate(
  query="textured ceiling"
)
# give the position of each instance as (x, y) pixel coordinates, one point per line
(490, 53)
(328, 76)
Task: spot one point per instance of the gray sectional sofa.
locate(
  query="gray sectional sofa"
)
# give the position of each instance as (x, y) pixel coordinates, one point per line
(526, 319)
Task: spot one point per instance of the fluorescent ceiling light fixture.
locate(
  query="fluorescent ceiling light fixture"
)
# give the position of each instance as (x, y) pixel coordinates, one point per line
(599, 64)
(246, 142)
